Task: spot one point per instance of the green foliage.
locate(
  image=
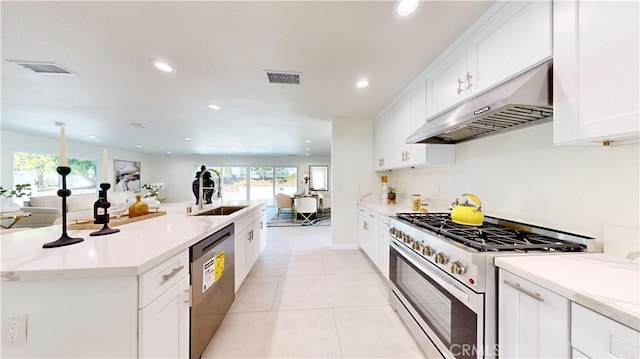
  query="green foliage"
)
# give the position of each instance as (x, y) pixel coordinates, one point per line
(20, 190)
(391, 190)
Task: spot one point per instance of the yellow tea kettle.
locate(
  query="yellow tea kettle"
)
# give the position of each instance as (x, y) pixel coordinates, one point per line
(467, 213)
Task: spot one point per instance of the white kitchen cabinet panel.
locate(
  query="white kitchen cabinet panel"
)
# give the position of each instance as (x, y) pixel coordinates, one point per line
(250, 234)
(402, 130)
(533, 322)
(384, 246)
(446, 81)
(596, 336)
(516, 39)
(383, 141)
(164, 324)
(369, 235)
(596, 71)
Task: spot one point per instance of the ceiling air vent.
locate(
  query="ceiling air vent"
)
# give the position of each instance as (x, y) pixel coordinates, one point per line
(45, 68)
(281, 77)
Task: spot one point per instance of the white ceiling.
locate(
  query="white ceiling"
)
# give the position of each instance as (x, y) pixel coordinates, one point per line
(219, 51)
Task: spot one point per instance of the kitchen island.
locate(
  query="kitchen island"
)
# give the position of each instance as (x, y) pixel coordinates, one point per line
(90, 299)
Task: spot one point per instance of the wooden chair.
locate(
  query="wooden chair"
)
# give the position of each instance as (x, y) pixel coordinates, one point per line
(306, 207)
(284, 201)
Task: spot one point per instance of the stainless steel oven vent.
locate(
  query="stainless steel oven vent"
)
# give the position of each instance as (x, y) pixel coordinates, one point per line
(280, 77)
(522, 101)
(45, 68)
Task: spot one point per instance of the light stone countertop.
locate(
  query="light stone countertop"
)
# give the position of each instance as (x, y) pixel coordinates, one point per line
(138, 247)
(603, 283)
(386, 209)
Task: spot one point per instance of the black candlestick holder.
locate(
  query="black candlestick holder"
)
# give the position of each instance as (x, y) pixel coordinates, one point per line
(102, 218)
(64, 239)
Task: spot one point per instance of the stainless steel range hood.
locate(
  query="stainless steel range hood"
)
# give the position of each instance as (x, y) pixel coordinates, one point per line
(523, 101)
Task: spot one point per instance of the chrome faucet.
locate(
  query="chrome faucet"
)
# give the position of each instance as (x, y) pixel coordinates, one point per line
(204, 169)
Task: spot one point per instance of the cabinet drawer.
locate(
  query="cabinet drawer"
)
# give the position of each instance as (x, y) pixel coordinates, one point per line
(369, 215)
(162, 277)
(600, 337)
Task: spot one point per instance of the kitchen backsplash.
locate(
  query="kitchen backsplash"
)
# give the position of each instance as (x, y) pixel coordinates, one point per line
(525, 177)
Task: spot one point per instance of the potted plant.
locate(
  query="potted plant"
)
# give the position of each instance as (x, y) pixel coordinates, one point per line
(7, 203)
(391, 195)
(153, 191)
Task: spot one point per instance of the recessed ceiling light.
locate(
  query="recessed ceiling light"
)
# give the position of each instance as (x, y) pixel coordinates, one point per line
(308, 141)
(187, 138)
(362, 84)
(162, 66)
(138, 146)
(168, 152)
(407, 7)
(213, 106)
(307, 149)
(307, 154)
(92, 137)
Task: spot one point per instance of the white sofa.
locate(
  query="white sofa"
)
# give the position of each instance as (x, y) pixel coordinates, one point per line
(47, 210)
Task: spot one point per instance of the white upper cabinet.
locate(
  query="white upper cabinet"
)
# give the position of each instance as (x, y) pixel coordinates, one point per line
(515, 37)
(596, 71)
(446, 81)
(383, 141)
(396, 124)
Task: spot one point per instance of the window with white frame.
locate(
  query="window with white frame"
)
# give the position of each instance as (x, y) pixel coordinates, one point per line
(39, 170)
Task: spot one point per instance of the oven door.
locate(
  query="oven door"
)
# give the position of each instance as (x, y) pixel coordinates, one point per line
(450, 314)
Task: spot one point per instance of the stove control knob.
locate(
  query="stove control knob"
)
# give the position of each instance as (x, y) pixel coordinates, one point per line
(427, 251)
(408, 239)
(441, 258)
(457, 268)
(417, 246)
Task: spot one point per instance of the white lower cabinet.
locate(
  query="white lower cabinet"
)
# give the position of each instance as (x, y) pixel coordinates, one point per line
(163, 315)
(250, 240)
(373, 238)
(164, 324)
(368, 235)
(596, 336)
(384, 246)
(533, 322)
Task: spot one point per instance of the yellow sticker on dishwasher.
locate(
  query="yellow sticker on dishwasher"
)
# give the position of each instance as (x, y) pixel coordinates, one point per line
(212, 270)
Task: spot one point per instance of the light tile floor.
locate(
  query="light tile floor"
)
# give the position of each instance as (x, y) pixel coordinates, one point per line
(304, 300)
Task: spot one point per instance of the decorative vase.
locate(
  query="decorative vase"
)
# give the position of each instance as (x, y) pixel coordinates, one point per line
(139, 208)
(8, 205)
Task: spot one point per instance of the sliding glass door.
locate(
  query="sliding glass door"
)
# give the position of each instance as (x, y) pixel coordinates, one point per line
(256, 183)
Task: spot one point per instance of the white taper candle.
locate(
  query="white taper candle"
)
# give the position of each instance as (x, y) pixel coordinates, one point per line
(105, 177)
(63, 148)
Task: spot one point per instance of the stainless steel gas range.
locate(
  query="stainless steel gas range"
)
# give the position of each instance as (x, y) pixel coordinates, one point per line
(444, 282)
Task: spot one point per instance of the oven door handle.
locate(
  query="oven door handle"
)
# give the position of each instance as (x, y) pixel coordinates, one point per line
(410, 256)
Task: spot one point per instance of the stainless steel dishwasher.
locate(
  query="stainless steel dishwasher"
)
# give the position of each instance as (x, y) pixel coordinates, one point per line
(212, 285)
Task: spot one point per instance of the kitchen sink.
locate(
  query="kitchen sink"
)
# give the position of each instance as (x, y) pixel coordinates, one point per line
(222, 211)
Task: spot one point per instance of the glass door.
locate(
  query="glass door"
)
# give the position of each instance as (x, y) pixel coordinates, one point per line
(261, 182)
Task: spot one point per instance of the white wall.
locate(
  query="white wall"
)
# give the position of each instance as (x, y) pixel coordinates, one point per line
(521, 175)
(20, 142)
(353, 176)
(178, 172)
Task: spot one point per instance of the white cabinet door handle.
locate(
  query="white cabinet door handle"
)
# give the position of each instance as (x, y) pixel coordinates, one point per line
(460, 82)
(469, 84)
(517, 287)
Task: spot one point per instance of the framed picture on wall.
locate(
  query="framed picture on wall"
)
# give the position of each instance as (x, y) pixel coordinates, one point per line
(127, 175)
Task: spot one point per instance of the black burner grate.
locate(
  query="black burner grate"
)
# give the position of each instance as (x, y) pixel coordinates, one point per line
(493, 235)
